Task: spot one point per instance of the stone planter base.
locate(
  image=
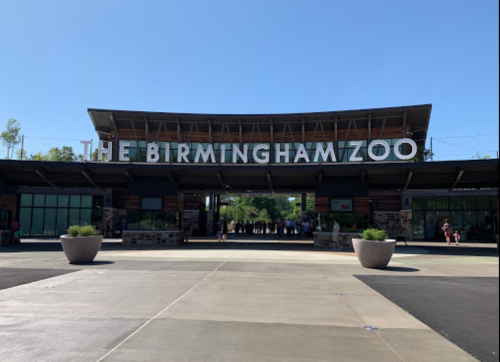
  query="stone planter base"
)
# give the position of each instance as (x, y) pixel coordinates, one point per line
(81, 249)
(374, 254)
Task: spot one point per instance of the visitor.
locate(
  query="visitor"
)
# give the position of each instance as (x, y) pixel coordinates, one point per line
(401, 236)
(123, 224)
(432, 231)
(448, 230)
(288, 225)
(299, 230)
(14, 227)
(457, 237)
(306, 228)
(187, 230)
(282, 229)
(264, 228)
(336, 236)
(108, 228)
(219, 231)
(224, 231)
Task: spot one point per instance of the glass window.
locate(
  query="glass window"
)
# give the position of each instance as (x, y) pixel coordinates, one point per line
(49, 225)
(37, 224)
(86, 201)
(63, 201)
(145, 220)
(74, 201)
(74, 217)
(39, 200)
(483, 203)
(51, 200)
(442, 203)
(470, 203)
(25, 221)
(418, 225)
(5, 220)
(457, 203)
(418, 203)
(62, 221)
(26, 200)
(431, 203)
(158, 221)
(86, 217)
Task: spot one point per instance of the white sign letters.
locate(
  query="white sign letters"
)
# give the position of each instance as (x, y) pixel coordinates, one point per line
(261, 153)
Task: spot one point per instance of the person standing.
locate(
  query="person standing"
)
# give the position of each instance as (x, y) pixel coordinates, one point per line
(219, 231)
(187, 230)
(306, 228)
(448, 230)
(336, 236)
(14, 226)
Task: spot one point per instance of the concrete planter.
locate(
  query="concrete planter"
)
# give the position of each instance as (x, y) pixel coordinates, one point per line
(374, 254)
(81, 249)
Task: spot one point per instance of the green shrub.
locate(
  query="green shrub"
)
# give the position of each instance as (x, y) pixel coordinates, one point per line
(87, 230)
(73, 230)
(374, 234)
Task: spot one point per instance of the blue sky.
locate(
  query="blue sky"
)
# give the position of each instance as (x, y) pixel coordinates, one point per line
(59, 57)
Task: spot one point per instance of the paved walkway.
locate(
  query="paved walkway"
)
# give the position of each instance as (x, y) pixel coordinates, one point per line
(233, 302)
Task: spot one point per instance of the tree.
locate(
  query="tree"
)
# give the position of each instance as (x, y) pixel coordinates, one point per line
(10, 137)
(65, 154)
(423, 155)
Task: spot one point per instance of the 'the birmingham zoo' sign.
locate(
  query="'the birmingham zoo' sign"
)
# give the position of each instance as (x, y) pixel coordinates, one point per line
(261, 152)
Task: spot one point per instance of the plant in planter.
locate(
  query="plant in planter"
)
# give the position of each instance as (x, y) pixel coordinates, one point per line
(81, 244)
(375, 249)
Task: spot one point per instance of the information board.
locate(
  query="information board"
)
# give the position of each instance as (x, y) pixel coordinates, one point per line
(341, 205)
(151, 203)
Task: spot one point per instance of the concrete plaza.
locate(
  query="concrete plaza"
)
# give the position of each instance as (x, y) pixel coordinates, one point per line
(243, 301)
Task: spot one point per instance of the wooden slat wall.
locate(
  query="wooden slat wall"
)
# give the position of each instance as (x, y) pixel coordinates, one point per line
(362, 205)
(191, 202)
(264, 137)
(386, 202)
(171, 204)
(322, 205)
(9, 202)
(133, 203)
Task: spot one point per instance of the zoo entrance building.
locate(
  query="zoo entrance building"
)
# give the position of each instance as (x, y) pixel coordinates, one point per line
(158, 168)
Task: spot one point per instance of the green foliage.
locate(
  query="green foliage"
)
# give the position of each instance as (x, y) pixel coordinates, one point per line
(374, 234)
(64, 154)
(10, 137)
(267, 209)
(73, 230)
(423, 154)
(87, 230)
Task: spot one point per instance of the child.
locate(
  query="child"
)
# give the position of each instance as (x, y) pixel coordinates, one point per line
(457, 237)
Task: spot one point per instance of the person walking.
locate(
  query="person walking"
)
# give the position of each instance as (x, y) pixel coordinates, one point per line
(186, 229)
(224, 231)
(108, 228)
(448, 230)
(336, 236)
(457, 237)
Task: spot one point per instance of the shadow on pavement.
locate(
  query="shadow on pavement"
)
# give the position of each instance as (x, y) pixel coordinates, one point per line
(401, 269)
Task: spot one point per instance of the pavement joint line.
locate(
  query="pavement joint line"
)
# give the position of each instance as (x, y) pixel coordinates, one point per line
(45, 288)
(163, 310)
(361, 318)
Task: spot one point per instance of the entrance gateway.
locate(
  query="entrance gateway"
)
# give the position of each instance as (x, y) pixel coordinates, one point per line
(156, 168)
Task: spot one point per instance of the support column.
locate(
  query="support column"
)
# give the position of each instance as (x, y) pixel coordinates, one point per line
(303, 205)
(116, 140)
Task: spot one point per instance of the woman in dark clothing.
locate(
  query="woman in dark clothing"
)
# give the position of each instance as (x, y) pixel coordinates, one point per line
(224, 231)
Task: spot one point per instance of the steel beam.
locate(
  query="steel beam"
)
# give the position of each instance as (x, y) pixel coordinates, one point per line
(457, 180)
(270, 180)
(408, 180)
(41, 173)
(87, 174)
